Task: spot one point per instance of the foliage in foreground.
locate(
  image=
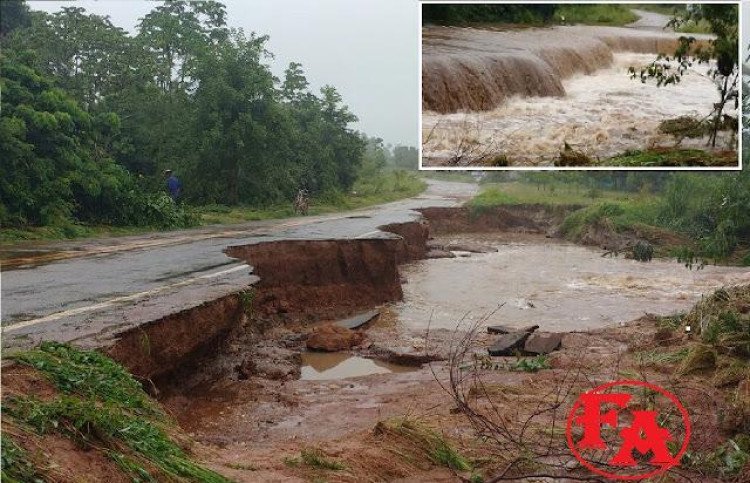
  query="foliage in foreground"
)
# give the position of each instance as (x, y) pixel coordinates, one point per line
(413, 436)
(100, 407)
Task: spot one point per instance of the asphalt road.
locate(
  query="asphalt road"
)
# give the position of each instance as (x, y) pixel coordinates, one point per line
(89, 286)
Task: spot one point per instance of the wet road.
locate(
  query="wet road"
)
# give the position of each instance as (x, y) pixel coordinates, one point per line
(649, 20)
(106, 284)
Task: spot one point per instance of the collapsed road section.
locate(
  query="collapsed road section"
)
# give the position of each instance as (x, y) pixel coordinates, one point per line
(328, 338)
(137, 296)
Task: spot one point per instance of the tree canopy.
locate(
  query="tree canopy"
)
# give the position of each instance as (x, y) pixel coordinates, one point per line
(91, 113)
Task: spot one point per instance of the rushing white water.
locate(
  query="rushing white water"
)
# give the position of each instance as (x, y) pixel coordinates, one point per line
(525, 94)
(601, 115)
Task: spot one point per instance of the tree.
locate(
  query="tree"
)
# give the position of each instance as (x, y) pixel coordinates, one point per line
(54, 167)
(723, 20)
(406, 157)
(178, 33)
(233, 96)
(14, 14)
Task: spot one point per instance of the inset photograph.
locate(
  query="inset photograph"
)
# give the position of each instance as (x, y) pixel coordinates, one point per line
(581, 86)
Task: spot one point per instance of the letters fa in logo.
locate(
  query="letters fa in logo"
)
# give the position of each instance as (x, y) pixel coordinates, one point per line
(637, 430)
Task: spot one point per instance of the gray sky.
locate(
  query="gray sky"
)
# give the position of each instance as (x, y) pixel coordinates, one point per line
(367, 49)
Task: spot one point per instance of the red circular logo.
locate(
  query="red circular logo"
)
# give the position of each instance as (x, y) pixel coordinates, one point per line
(628, 430)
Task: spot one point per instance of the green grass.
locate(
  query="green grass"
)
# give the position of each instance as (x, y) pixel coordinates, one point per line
(17, 467)
(436, 447)
(672, 157)
(101, 407)
(383, 188)
(531, 364)
(660, 356)
(66, 232)
(693, 27)
(619, 216)
(514, 193)
(316, 459)
(601, 14)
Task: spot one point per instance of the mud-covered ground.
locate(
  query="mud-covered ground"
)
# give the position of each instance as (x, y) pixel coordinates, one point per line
(253, 423)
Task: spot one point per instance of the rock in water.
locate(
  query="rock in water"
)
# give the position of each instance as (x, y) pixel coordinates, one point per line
(542, 343)
(331, 338)
(507, 344)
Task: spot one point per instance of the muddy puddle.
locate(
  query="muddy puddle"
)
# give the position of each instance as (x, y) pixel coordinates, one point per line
(321, 366)
(561, 287)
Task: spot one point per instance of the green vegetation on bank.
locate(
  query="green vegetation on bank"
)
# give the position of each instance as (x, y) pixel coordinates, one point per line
(528, 14)
(92, 116)
(598, 14)
(100, 407)
(716, 352)
(710, 210)
(385, 187)
(672, 157)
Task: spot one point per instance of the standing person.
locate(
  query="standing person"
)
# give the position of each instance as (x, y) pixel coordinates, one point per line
(174, 187)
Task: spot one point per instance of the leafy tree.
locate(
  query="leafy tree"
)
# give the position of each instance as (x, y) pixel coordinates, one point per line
(87, 105)
(14, 14)
(723, 21)
(177, 33)
(406, 157)
(233, 98)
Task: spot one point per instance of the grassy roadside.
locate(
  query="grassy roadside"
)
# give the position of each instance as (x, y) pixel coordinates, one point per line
(65, 407)
(384, 188)
(603, 214)
(673, 157)
(599, 14)
(516, 193)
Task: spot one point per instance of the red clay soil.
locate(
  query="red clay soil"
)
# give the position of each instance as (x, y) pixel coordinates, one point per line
(59, 458)
(257, 428)
(162, 346)
(322, 279)
(527, 218)
(414, 239)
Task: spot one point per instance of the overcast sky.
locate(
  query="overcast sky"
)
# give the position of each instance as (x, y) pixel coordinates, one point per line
(367, 49)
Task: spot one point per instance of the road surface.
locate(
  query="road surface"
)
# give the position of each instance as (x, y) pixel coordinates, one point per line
(649, 20)
(92, 287)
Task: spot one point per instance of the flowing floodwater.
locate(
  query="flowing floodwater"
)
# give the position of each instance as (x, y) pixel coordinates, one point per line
(558, 286)
(525, 94)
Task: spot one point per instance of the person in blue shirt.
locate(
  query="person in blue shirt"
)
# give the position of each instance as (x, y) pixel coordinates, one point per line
(174, 187)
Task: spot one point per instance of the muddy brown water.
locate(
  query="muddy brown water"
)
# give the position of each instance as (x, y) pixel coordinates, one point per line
(558, 286)
(320, 366)
(526, 94)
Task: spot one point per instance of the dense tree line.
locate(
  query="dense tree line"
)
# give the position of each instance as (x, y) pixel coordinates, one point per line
(452, 14)
(92, 115)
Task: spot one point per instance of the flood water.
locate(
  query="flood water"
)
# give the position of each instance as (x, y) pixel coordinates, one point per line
(525, 94)
(318, 366)
(560, 287)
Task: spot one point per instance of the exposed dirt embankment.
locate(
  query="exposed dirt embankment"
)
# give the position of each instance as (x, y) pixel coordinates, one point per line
(300, 281)
(413, 245)
(318, 279)
(524, 218)
(163, 346)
